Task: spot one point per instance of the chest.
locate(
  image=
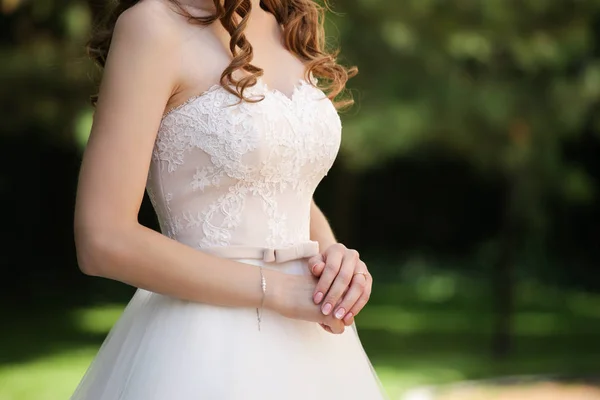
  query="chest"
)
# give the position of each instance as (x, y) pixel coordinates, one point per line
(280, 136)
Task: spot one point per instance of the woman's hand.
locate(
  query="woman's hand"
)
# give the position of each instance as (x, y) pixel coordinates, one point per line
(341, 273)
(292, 298)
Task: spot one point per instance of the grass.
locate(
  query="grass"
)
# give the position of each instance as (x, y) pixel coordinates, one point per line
(424, 331)
(537, 391)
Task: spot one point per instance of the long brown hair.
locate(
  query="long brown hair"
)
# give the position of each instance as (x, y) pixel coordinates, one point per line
(303, 30)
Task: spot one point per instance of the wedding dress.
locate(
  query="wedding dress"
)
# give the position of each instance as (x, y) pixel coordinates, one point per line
(235, 179)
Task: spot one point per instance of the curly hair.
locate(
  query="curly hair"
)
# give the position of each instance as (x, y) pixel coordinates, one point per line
(303, 31)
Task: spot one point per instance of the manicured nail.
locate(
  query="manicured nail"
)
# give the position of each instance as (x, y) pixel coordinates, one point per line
(326, 309)
(318, 297)
(340, 313)
(349, 317)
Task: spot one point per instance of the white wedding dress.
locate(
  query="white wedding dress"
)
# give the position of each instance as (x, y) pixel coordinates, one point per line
(235, 179)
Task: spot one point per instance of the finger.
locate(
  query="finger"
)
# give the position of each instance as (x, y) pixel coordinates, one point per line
(349, 319)
(341, 282)
(357, 287)
(328, 329)
(317, 269)
(333, 262)
(315, 261)
(362, 301)
(334, 325)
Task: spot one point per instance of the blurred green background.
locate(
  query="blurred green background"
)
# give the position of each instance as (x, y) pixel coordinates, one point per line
(468, 179)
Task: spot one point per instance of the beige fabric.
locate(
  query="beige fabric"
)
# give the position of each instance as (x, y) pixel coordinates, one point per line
(226, 173)
(270, 255)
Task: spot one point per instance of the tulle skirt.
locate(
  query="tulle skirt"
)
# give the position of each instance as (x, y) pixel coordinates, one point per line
(168, 349)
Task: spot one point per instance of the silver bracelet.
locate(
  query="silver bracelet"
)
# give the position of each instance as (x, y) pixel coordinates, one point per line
(263, 286)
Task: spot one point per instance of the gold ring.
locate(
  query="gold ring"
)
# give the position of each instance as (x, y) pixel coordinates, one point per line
(360, 273)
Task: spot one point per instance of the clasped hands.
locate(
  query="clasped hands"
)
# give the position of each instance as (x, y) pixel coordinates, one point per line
(344, 284)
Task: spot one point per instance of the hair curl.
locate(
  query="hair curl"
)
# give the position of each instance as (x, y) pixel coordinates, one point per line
(303, 31)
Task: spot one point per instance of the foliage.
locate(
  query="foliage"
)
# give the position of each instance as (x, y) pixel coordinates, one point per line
(501, 83)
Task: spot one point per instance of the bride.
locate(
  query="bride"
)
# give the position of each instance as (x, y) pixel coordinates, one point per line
(218, 110)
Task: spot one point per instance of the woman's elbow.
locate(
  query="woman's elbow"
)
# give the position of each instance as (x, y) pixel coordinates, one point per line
(88, 251)
(94, 248)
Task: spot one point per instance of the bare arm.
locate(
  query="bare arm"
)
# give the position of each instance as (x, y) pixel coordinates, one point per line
(320, 230)
(140, 74)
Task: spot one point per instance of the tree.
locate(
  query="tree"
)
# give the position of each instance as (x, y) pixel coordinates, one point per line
(502, 84)
(45, 69)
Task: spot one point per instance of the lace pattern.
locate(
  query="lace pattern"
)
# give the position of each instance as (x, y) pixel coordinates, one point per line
(227, 172)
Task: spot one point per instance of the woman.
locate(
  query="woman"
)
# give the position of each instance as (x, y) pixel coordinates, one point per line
(213, 108)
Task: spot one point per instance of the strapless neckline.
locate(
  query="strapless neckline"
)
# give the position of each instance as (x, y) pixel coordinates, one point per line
(261, 88)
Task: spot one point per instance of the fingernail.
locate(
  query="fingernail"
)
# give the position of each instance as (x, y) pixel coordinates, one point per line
(340, 313)
(318, 297)
(326, 309)
(349, 317)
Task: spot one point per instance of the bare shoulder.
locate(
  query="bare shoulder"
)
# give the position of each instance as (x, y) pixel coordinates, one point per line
(151, 22)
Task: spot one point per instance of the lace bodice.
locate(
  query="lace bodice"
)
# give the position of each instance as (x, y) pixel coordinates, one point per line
(227, 173)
